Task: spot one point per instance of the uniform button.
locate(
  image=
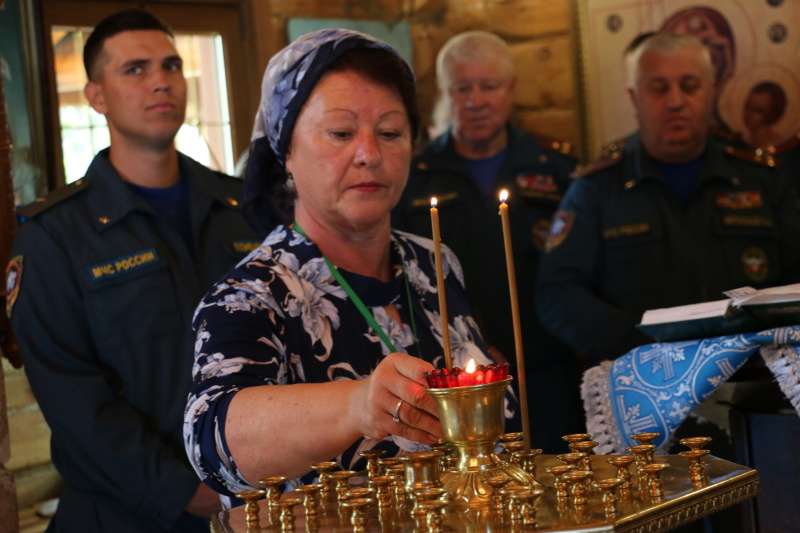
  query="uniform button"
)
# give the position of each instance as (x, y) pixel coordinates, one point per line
(629, 184)
(422, 166)
(735, 180)
(543, 158)
(104, 220)
(232, 201)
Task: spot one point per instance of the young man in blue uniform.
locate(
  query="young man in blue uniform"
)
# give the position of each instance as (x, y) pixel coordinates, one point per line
(465, 168)
(103, 280)
(672, 217)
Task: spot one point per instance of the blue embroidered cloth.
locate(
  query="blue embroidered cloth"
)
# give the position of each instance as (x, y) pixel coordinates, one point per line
(655, 387)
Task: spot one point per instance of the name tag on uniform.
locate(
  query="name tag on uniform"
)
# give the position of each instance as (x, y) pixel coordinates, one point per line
(747, 221)
(123, 265)
(628, 230)
(245, 247)
(740, 200)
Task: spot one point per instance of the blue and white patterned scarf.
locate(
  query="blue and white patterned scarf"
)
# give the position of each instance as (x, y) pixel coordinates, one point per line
(288, 81)
(655, 387)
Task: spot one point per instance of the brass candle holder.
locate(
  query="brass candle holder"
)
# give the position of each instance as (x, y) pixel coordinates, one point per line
(472, 419)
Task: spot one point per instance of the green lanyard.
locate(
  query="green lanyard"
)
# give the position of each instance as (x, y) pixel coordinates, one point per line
(366, 313)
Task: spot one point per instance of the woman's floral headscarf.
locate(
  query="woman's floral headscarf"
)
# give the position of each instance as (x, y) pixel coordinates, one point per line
(288, 81)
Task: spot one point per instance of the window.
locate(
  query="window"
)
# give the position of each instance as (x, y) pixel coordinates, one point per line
(206, 133)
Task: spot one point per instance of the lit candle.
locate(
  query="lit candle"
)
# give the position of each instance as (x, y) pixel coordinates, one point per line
(512, 289)
(437, 252)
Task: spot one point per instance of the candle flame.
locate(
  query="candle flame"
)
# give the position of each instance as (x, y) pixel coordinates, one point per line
(470, 367)
(503, 195)
(434, 202)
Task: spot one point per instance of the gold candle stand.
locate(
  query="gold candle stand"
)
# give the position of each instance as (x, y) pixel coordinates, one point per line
(472, 419)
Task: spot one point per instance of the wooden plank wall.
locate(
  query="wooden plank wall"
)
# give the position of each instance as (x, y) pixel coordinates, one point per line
(537, 30)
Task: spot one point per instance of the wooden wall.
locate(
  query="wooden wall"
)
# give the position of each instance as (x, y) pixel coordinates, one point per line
(538, 32)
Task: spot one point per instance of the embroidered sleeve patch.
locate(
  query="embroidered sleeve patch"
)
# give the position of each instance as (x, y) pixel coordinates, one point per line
(123, 265)
(13, 280)
(755, 264)
(559, 230)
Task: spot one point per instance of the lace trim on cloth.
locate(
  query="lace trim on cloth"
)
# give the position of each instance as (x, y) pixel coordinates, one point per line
(784, 362)
(600, 421)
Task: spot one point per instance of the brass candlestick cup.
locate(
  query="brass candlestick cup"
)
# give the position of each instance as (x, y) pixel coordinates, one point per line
(472, 419)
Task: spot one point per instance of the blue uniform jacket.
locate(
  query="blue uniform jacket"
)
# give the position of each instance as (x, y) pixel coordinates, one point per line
(104, 289)
(621, 244)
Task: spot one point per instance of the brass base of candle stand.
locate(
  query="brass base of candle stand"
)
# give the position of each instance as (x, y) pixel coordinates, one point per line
(472, 419)
(682, 500)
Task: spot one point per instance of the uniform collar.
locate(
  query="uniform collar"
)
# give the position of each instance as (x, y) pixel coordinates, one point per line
(715, 166)
(113, 200)
(441, 152)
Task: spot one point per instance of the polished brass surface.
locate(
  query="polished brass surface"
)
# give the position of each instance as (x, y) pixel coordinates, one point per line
(359, 517)
(272, 484)
(472, 419)
(251, 507)
(372, 456)
(643, 452)
(342, 480)
(422, 470)
(682, 502)
(575, 437)
(585, 446)
(645, 438)
(526, 460)
(311, 497)
(324, 469)
(697, 469)
(622, 462)
(696, 443)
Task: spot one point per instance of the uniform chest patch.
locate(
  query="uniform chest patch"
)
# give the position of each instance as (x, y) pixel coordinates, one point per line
(123, 265)
(562, 224)
(740, 200)
(755, 264)
(13, 281)
(538, 186)
(245, 247)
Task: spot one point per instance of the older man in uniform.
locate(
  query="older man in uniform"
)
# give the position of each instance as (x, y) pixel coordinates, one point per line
(673, 217)
(104, 277)
(465, 168)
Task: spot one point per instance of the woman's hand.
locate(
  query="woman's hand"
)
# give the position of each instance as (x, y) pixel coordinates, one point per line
(398, 380)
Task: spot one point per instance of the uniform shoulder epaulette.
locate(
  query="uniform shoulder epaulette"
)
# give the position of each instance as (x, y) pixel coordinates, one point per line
(556, 145)
(597, 165)
(611, 148)
(789, 144)
(56, 196)
(758, 156)
(730, 137)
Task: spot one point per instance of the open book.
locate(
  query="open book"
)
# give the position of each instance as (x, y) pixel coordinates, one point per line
(745, 310)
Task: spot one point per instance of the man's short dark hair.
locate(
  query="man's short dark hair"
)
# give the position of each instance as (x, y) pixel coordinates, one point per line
(127, 20)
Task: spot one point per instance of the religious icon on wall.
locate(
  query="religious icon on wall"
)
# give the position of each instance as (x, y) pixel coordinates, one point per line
(754, 51)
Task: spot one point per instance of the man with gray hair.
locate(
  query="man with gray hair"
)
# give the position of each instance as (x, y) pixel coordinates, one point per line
(465, 168)
(672, 217)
